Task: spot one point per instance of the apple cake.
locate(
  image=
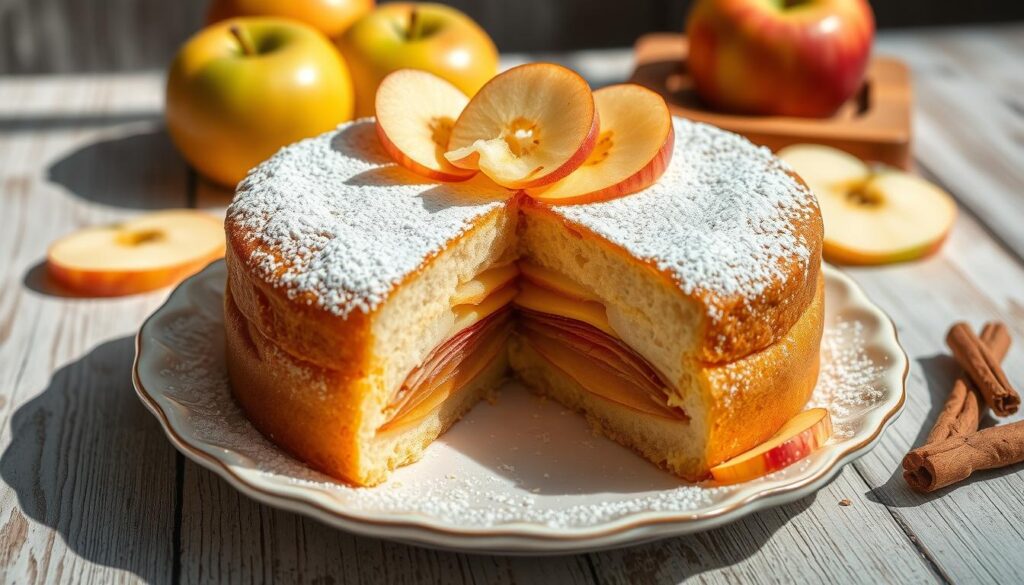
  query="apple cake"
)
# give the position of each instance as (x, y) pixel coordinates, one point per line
(367, 309)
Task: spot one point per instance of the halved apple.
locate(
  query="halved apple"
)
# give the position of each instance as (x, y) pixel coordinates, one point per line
(529, 126)
(415, 114)
(633, 149)
(872, 217)
(798, 438)
(146, 253)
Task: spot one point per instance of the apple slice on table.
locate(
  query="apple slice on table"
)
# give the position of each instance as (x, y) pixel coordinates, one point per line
(633, 149)
(149, 252)
(529, 126)
(415, 114)
(872, 216)
(798, 438)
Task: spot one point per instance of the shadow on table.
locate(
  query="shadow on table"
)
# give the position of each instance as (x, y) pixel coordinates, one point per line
(325, 554)
(134, 167)
(88, 461)
(37, 280)
(940, 372)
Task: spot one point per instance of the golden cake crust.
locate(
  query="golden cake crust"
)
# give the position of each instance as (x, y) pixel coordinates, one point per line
(745, 401)
(322, 236)
(729, 227)
(297, 322)
(318, 414)
(741, 324)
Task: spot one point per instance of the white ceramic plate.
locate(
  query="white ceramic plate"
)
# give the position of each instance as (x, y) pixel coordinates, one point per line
(522, 475)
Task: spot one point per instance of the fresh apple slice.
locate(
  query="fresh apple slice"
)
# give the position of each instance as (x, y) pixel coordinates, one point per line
(483, 285)
(800, 436)
(529, 126)
(415, 114)
(146, 253)
(543, 300)
(872, 217)
(633, 149)
(553, 281)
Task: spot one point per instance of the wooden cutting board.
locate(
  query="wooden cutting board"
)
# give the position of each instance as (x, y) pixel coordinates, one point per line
(873, 125)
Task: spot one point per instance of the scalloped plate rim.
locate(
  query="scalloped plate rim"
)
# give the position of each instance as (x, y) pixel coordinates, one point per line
(535, 538)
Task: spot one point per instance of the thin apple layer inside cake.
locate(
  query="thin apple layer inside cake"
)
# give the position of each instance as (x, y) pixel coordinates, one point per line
(559, 320)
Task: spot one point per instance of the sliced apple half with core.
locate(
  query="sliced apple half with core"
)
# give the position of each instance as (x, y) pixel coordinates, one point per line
(529, 126)
(415, 114)
(872, 216)
(146, 253)
(633, 149)
(798, 438)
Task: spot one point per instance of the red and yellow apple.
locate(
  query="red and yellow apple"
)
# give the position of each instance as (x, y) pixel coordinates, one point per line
(145, 253)
(527, 127)
(429, 37)
(415, 114)
(798, 438)
(779, 57)
(331, 17)
(872, 216)
(241, 89)
(633, 149)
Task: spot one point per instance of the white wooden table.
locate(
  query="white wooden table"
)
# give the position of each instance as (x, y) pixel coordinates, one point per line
(92, 491)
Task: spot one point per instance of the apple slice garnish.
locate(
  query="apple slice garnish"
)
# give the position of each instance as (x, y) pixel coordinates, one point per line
(149, 252)
(415, 114)
(798, 438)
(633, 149)
(529, 126)
(872, 217)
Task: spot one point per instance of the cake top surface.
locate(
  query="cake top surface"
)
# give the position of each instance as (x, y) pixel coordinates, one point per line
(337, 221)
(721, 219)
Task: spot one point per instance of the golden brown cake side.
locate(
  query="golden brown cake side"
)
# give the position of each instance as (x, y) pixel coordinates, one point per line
(346, 274)
(741, 325)
(305, 327)
(320, 415)
(732, 407)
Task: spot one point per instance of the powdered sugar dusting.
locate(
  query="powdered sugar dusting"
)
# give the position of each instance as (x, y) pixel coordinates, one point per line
(720, 219)
(545, 470)
(849, 380)
(348, 223)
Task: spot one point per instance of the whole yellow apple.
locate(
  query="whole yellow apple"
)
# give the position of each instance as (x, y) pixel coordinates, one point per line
(241, 89)
(330, 17)
(429, 37)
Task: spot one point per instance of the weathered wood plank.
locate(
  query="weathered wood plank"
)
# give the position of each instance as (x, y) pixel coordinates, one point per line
(971, 531)
(968, 139)
(970, 118)
(89, 480)
(228, 538)
(814, 540)
(88, 477)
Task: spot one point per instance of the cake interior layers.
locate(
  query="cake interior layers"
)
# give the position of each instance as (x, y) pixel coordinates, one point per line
(482, 325)
(561, 321)
(598, 362)
(448, 369)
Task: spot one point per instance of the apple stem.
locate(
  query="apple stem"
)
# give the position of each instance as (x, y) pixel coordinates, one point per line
(244, 40)
(413, 32)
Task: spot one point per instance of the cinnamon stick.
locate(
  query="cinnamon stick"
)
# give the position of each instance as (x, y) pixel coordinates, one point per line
(964, 407)
(938, 465)
(983, 369)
